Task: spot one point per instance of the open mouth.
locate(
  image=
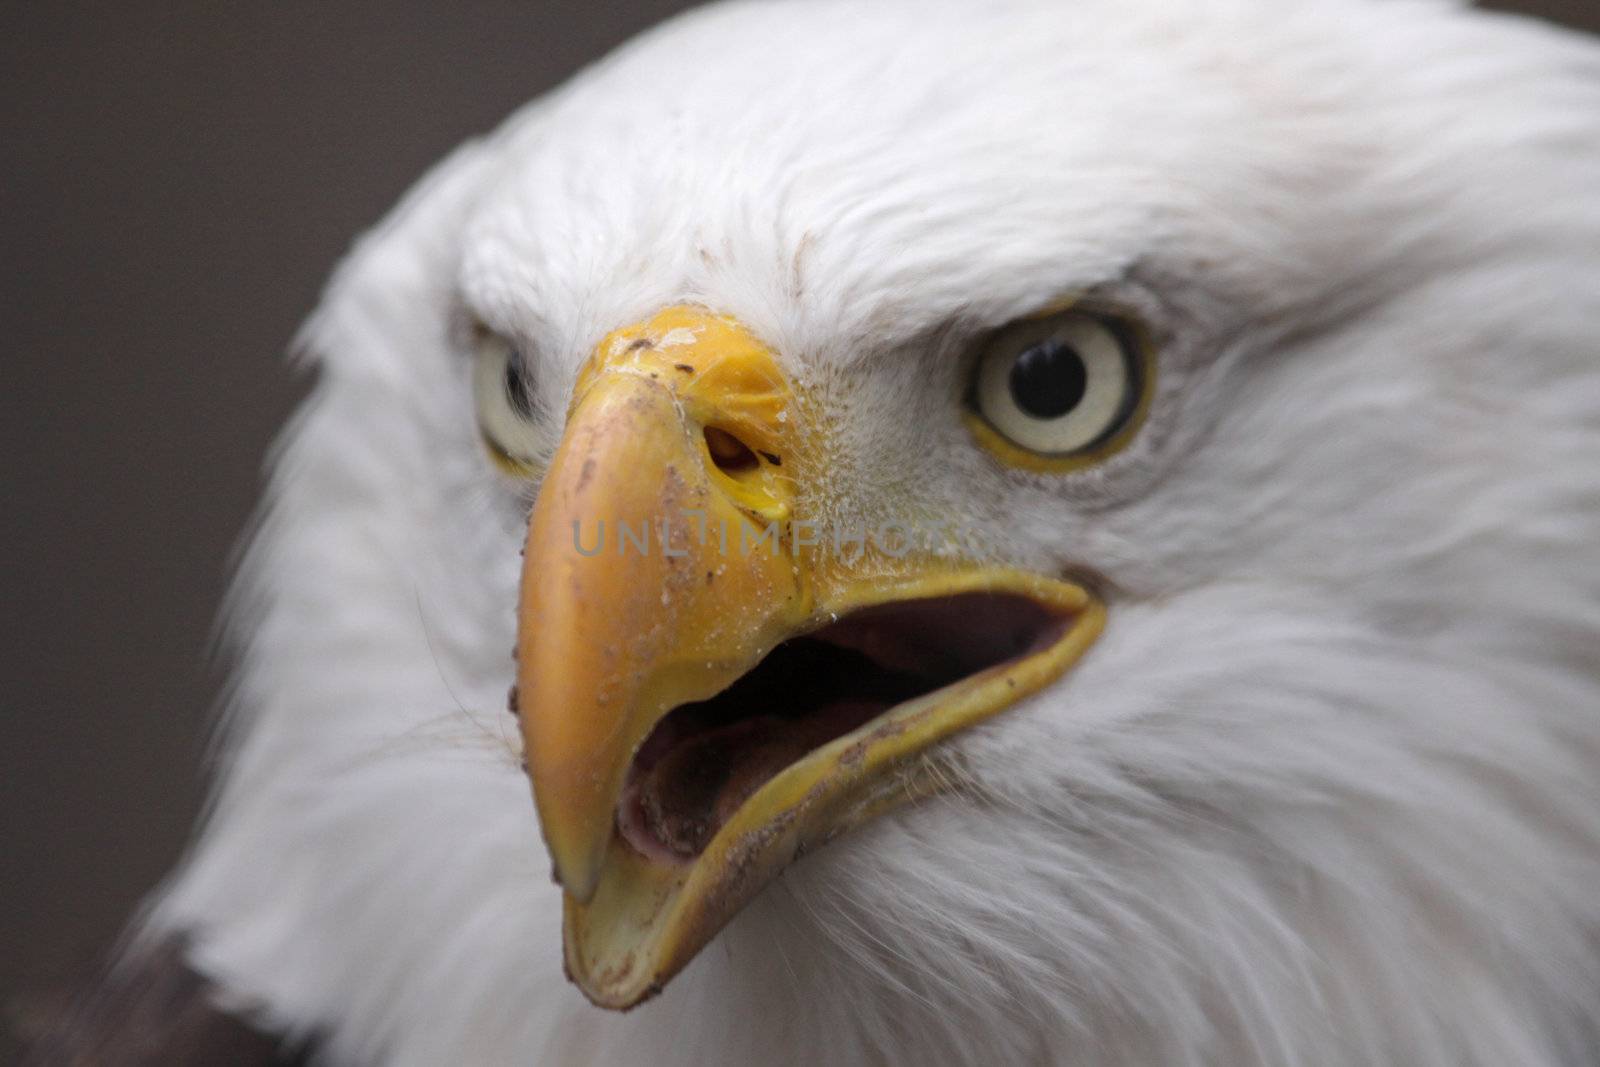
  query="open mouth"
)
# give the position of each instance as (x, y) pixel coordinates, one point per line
(703, 760)
(698, 715)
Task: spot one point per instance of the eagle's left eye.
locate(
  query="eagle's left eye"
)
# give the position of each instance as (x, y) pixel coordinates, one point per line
(1058, 391)
(503, 397)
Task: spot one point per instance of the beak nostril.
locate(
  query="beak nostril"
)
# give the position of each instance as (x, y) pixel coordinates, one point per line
(731, 455)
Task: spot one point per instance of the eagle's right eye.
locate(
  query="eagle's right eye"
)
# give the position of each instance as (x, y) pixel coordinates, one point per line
(503, 394)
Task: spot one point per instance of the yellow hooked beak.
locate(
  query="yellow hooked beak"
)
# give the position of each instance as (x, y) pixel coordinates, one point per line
(678, 761)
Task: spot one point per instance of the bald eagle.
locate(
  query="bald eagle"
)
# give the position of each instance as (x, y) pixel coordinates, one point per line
(1015, 533)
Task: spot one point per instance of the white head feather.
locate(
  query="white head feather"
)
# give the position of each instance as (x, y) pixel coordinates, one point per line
(1327, 791)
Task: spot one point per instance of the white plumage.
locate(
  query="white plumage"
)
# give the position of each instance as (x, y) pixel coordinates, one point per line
(1328, 789)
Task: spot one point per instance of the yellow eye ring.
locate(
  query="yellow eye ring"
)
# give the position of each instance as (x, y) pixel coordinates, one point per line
(1061, 392)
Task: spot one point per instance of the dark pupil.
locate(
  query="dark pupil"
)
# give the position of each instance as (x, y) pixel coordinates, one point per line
(517, 387)
(1048, 379)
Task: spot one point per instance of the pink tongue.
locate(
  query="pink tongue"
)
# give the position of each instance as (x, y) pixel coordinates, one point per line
(674, 809)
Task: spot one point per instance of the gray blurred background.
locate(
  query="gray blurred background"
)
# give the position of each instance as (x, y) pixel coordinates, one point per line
(178, 179)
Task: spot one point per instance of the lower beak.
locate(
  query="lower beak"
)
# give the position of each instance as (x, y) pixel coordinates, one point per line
(667, 558)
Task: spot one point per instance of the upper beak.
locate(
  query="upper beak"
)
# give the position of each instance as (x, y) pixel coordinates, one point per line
(667, 555)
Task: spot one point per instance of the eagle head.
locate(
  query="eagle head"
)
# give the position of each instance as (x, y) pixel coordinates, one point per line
(1015, 533)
